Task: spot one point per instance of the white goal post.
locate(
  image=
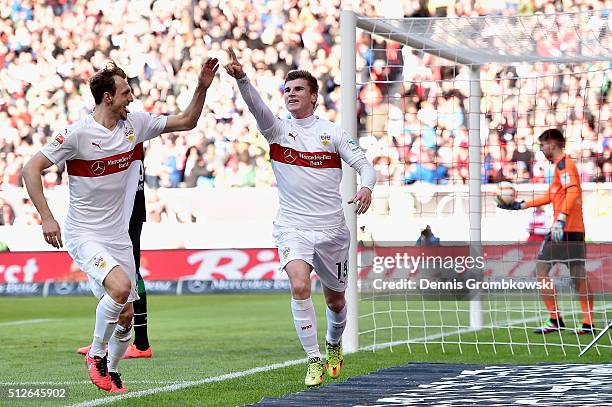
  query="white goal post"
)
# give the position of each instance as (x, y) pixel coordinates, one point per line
(472, 42)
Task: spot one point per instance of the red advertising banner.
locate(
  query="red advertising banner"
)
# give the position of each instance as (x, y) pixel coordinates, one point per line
(227, 264)
(263, 264)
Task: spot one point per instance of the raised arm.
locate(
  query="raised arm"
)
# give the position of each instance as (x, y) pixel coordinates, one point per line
(188, 119)
(263, 115)
(32, 178)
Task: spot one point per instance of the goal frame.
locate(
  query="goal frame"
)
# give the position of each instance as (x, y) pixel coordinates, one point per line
(473, 59)
(348, 68)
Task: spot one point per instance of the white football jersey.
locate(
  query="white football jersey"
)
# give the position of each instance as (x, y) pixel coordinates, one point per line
(103, 169)
(306, 158)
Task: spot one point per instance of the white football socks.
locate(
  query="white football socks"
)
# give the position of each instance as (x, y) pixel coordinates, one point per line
(306, 326)
(107, 315)
(336, 322)
(117, 346)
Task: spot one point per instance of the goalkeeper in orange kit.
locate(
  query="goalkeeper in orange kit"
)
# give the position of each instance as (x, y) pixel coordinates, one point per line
(565, 241)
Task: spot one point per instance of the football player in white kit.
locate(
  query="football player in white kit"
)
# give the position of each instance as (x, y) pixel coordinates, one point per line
(310, 230)
(101, 153)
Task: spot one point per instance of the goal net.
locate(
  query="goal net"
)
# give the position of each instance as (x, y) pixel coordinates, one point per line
(447, 108)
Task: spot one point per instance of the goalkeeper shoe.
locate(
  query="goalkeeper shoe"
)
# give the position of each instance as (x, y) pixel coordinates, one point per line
(314, 375)
(334, 361)
(116, 383)
(552, 325)
(587, 329)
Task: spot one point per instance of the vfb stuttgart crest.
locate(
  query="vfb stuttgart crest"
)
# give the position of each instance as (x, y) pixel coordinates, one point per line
(99, 262)
(286, 252)
(129, 134)
(325, 139)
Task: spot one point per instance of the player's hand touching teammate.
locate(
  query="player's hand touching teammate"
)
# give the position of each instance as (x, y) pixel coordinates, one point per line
(234, 68)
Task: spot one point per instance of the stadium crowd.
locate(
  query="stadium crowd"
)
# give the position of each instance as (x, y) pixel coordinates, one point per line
(413, 130)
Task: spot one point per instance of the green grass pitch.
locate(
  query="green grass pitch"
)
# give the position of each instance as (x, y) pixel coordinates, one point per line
(195, 337)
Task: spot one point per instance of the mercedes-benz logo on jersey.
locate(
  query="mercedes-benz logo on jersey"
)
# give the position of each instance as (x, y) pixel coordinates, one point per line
(98, 167)
(289, 156)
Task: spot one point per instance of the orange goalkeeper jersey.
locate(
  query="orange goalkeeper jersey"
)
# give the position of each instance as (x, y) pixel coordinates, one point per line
(565, 193)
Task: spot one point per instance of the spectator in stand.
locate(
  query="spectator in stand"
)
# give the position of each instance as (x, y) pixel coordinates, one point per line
(49, 49)
(29, 215)
(7, 215)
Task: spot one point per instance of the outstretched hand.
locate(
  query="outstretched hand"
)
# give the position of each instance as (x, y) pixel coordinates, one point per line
(207, 74)
(513, 206)
(234, 68)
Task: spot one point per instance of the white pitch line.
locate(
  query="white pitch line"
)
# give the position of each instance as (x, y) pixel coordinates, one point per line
(229, 376)
(26, 321)
(177, 386)
(79, 382)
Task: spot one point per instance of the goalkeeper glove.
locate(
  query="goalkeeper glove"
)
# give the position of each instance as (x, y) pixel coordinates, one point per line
(514, 206)
(558, 228)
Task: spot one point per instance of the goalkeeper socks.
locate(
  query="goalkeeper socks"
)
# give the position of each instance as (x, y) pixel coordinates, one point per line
(107, 315)
(549, 297)
(336, 321)
(305, 322)
(117, 346)
(586, 302)
(141, 338)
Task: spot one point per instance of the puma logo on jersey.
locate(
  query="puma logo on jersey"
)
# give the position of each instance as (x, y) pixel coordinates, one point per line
(291, 135)
(93, 143)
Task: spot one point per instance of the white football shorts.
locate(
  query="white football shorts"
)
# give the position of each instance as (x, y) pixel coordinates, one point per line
(325, 250)
(97, 259)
